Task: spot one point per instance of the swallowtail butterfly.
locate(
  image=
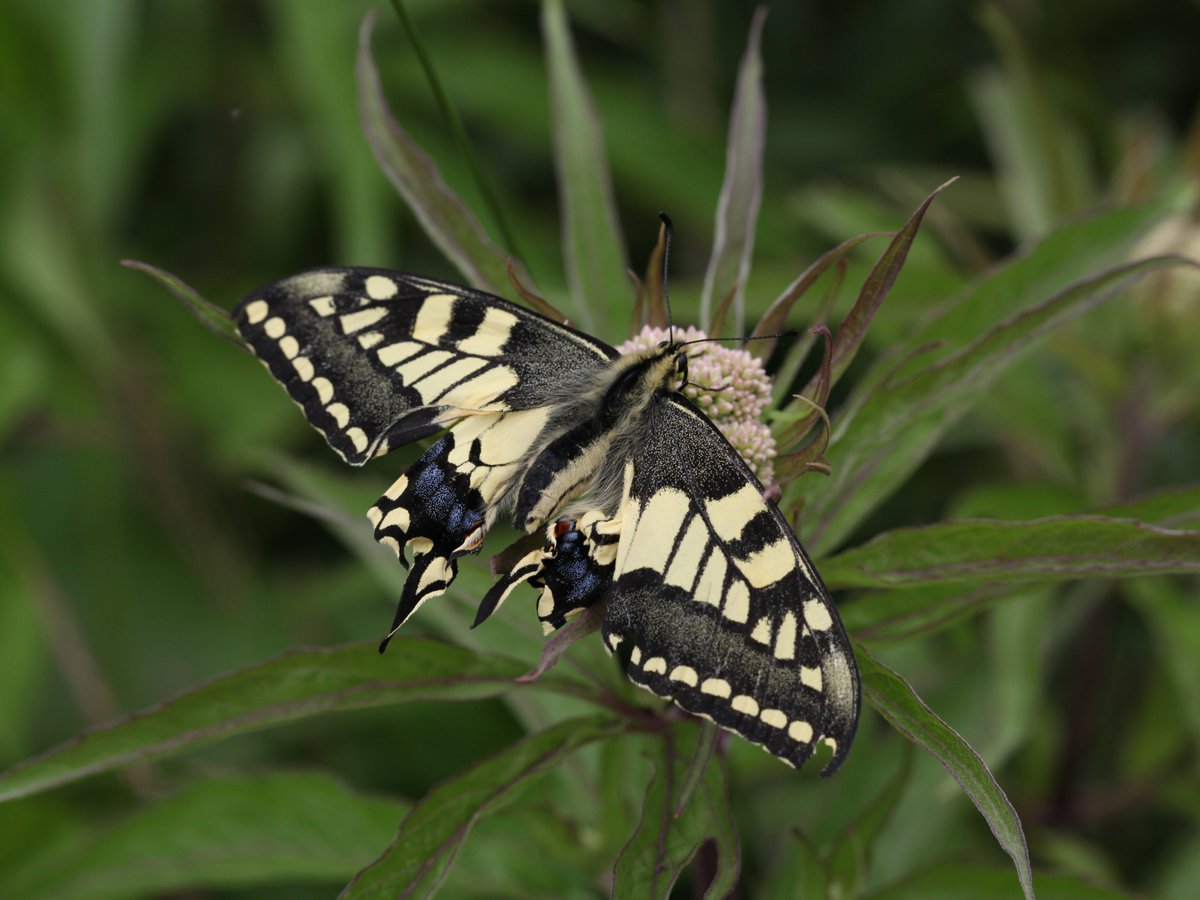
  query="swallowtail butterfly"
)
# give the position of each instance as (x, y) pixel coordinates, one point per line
(711, 601)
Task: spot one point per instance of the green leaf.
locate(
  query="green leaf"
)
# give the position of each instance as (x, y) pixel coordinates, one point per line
(626, 767)
(889, 616)
(1017, 639)
(213, 317)
(1042, 159)
(896, 701)
(892, 423)
(848, 866)
(800, 875)
(429, 838)
(592, 244)
(1174, 619)
(443, 215)
(293, 686)
(741, 192)
(776, 315)
(985, 552)
(898, 613)
(698, 765)
(853, 328)
(454, 121)
(958, 879)
(1177, 507)
(222, 833)
(1079, 251)
(666, 839)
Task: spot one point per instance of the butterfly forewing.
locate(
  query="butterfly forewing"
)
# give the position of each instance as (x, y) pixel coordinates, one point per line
(716, 606)
(377, 359)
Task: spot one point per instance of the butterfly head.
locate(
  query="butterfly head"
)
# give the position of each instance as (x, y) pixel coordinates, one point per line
(674, 351)
(681, 366)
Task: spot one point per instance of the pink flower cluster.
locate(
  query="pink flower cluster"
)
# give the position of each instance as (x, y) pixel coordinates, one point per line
(730, 386)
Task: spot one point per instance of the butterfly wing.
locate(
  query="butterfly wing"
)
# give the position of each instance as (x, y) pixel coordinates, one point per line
(715, 605)
(377, 359)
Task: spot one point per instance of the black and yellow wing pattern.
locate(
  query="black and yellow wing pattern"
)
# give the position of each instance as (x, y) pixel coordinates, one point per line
(715, 604)
(378, 359)
(710, 600)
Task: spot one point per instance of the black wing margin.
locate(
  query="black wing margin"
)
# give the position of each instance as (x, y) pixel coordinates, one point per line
(377, 359)
(715, 604)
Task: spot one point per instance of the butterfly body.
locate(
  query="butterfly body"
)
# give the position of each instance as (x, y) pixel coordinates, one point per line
(711, 601)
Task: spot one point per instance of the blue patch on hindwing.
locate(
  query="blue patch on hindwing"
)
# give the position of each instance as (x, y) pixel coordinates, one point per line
(440, 516)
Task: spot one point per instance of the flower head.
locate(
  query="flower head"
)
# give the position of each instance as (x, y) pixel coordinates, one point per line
(730, 386)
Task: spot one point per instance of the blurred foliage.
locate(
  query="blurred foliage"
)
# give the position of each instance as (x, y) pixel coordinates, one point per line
(222, 141)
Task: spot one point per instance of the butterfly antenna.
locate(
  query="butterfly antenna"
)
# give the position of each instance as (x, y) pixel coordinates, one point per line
(666, 221)
(744, 340)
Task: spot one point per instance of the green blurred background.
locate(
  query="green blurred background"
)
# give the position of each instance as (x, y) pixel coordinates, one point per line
(220, 140)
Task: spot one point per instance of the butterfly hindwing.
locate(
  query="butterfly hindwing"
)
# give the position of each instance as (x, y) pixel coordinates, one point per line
(714, 603)
(442, 506)
(377, 359)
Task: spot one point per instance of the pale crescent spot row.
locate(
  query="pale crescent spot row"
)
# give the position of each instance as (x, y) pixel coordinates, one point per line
(798, 730)
(256, 312)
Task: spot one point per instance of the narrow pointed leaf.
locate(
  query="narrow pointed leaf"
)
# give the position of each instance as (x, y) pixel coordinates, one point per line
(534, 301)
(793, 359)
(853, 328)
(443, 215)
(1040, 157)
(896, 701)
(654, 311)
(1177, 507)
(716, 324)
(896, 614)
(296, 685)
(595, 251)
(454, 121)
(432, 833)
(1078, 251)
(741, 192)
(801, 461)
(664, 843)
(222, 833)
(774, 319)
(890, 616)
(587, 622)
(1056, 548)
(883, 436)
(215, 318)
